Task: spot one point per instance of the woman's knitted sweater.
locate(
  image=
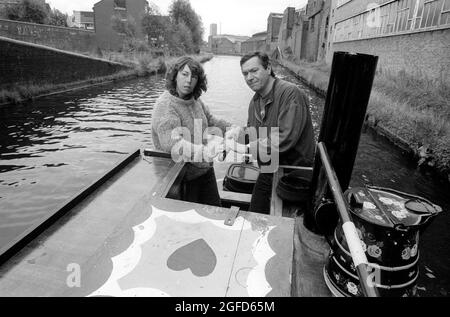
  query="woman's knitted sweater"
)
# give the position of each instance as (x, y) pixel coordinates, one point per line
(170, 115)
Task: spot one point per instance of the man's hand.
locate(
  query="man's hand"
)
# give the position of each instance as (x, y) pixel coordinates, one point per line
(215, 147)
(232, 145)
(233, 133)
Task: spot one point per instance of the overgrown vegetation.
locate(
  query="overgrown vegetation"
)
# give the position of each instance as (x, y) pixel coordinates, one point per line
(417, 110)
(413, 110)
(179, 33)
(315, 74)
(33, 11)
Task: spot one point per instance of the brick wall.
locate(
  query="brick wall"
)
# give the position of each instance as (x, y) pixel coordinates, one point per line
(24, 63)
(324, 31)
(422, 53)
(224, 46)
(69, 39)
(312, 40)
(103, 12)
(107, 38)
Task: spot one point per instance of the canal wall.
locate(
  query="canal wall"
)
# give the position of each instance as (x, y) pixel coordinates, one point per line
(68, 39)
(25, 64)
(419, 135)
(423, 54)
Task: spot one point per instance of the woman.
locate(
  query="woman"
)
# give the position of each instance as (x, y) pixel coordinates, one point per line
(177, 116)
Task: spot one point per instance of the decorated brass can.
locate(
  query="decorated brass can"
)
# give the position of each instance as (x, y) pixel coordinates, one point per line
(388, 224)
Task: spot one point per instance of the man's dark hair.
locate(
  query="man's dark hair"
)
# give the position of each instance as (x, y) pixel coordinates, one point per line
(263, 58)
(196, 70)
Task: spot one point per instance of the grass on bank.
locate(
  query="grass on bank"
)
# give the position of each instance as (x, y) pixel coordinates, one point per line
(417, 110)
(414, 110)
(140, 65)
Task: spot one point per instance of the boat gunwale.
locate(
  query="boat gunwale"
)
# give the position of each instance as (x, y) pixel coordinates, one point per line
(19, 243)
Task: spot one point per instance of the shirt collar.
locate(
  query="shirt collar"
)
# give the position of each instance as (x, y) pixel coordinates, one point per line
(270, 96)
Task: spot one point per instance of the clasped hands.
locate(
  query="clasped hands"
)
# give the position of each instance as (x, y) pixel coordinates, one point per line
(217, 146)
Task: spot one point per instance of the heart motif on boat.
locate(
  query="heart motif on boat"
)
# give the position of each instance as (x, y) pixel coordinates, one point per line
(196, 256)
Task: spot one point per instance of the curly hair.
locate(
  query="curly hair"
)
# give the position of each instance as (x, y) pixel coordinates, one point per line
(196, 70)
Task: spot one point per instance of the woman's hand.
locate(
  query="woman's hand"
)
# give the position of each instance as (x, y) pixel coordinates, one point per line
(215, 147)
(233, 132)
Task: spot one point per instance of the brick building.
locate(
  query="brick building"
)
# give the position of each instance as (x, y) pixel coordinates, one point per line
(127, 10)
(286, 27)
(256, 43)
(213, 29)
(410, 36)
(317, 12)
(82, 20)
(227, 44)
(273, 29)
(304, 33)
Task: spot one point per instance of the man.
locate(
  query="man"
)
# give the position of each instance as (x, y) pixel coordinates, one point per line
(276, 104)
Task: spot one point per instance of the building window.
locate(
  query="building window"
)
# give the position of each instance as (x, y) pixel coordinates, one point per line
(120, 4)
(312, 24)
(395, 17)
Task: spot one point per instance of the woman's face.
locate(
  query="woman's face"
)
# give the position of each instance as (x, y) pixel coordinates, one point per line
(186, 82)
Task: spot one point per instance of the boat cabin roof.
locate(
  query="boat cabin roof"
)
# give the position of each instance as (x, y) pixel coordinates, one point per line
(128, 239)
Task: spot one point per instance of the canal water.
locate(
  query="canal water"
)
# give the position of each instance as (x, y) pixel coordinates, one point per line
(52, 148)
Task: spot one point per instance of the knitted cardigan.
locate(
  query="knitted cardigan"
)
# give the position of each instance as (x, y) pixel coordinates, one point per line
(172, 113)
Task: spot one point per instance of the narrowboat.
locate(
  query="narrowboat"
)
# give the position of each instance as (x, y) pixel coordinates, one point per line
(131, 233)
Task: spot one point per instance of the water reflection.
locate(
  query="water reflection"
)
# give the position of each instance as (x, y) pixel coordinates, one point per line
(52, 148)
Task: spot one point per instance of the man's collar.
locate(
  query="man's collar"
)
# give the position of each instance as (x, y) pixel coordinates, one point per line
(269, 96)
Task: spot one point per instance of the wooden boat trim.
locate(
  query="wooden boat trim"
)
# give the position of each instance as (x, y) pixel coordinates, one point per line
(291, 167)
(29, 235)
(176, 172)
(233, 197)
(276, 203)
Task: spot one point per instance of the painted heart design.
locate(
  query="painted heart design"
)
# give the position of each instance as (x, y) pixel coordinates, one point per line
(196, 256)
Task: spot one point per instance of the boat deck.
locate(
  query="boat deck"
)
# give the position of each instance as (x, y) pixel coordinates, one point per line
(128, 239)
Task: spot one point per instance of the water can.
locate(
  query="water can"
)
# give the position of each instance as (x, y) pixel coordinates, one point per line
(389, 224)
(241, 178)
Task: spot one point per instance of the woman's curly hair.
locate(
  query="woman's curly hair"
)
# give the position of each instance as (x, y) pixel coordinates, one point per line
(196, 70)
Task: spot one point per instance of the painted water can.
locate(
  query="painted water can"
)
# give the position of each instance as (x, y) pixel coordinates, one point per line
(388, 224)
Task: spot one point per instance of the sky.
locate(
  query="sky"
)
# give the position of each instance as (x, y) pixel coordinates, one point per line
(237, 17)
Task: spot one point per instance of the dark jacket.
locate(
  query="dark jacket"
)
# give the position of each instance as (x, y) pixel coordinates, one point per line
(286, 107)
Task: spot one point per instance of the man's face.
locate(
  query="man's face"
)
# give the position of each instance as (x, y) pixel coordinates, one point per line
(255, 75)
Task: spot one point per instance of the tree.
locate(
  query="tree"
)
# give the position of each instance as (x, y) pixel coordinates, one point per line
(58, 18)
(27, 11)
(180, 41)
(181, 11)
(124, 26)
(153, 9)
(10, 12)
(156, 27)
